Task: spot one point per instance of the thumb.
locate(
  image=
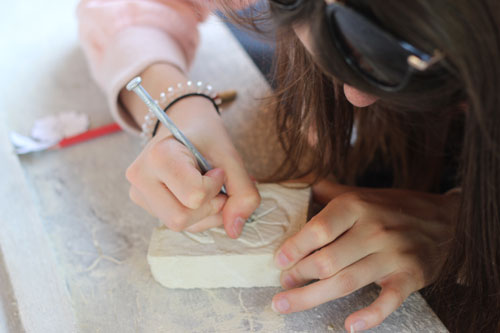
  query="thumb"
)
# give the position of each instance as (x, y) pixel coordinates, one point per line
(243, 199)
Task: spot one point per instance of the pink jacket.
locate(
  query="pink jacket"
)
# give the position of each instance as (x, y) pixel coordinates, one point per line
(121, 38)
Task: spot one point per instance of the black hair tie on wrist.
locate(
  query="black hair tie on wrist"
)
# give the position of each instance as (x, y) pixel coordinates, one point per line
(181, 98)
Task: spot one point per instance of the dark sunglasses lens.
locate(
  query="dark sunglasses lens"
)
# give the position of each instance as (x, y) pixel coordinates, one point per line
(374, 53)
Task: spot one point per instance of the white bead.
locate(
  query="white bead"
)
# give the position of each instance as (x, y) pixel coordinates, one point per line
(189, 87)
(208, 90)
(163, 98)
(181, 89)
(199, 87)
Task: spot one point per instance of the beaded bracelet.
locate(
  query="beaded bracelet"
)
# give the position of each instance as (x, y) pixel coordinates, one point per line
(171, 97)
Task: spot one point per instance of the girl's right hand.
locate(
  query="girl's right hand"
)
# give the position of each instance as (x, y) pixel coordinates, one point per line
(166, 181)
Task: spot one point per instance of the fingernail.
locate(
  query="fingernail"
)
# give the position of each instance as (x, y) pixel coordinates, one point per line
(280, 305)
(238, 226)
(358, 326)
(289, 281)
(281, 260)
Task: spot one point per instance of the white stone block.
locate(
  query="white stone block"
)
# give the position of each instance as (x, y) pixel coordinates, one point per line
(213, 260)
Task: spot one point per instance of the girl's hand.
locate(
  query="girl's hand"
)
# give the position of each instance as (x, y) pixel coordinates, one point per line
(395, 238)
(165, 178)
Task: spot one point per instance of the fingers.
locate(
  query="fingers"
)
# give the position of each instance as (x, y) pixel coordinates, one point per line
(352, 278)
(172, 213)
(328, 261)
(243, 198)
(394, 291)
(207, 223)
(324, 228)
(175, 166)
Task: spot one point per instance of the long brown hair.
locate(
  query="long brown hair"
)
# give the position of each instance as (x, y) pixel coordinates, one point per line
(444, 118)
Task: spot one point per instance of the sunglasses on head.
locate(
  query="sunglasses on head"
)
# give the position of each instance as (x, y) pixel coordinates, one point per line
(380, 58)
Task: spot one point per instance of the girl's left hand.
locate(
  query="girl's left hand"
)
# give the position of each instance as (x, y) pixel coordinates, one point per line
(394, 238)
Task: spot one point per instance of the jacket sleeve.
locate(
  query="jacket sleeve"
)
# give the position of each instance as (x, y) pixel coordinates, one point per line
(121, 38)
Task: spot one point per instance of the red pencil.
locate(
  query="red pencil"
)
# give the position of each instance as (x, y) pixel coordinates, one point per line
(88, 135)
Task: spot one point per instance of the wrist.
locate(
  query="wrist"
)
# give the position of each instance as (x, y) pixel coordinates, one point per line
(195, 117)
(190, 112)
(155, 79)
(194, 98)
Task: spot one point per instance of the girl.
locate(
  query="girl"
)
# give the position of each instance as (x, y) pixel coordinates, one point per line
(418, 81)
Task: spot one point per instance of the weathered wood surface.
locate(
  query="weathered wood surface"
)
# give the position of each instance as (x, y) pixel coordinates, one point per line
(74, 246)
